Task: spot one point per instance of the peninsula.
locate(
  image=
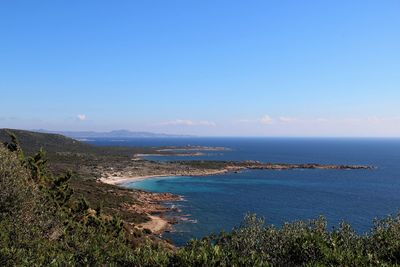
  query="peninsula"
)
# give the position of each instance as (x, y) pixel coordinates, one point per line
(147, 170)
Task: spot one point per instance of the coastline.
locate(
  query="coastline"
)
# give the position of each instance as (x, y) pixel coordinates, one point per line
(116, 180)
(152, 204)
(156, 224)
(122, 180)
(126, 177)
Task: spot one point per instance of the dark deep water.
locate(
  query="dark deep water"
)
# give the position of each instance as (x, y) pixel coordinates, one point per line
(219, 202)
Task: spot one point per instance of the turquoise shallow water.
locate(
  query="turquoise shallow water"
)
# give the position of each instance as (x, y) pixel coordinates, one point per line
(219, 202)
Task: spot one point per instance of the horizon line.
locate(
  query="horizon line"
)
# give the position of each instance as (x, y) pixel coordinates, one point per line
(175, 135)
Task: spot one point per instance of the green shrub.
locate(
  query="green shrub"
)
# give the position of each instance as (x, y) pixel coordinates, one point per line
(41, 225)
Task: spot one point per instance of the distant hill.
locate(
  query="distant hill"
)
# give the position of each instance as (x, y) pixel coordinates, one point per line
(32, 141)
(60, 145)
(111, 134)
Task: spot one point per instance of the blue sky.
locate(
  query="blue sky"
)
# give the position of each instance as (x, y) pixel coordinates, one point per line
(243, 68)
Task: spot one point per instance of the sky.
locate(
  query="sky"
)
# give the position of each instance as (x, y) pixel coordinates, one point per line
(210, 68)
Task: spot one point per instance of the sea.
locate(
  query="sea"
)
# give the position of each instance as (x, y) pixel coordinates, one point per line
(219, 203)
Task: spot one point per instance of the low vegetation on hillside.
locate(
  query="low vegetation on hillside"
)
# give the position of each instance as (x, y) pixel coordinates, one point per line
(42, 223)
(84, 161)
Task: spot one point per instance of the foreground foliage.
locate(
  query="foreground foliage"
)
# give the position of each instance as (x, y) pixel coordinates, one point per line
(42, 224)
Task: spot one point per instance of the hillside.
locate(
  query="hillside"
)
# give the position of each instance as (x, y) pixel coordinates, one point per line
(66, 154)
(66, 230)
(59, 144)
(52, 143)
(111, 134)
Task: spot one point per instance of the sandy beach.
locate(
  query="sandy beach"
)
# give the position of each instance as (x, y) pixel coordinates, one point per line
(156, 225)
(119, 180)
(152, 203)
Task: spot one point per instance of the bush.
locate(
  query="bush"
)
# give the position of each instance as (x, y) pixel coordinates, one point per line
(24, 220)
(41, 225)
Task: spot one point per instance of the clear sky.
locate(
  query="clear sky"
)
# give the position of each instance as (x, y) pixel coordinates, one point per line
(242, 68)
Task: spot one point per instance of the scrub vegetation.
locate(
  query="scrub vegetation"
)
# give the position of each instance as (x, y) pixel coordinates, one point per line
(45, 222)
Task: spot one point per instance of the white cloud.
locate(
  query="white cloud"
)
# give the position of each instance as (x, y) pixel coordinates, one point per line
(321, 120)
(81, 117)
(266, 120)
(244, 121)
(376, 119)
(180, 122)
(287, 119)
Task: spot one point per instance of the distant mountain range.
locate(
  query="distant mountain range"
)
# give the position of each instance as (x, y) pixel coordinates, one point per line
(111, 134)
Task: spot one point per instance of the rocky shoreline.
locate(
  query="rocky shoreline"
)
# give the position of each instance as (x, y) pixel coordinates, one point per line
(128, 175)
(153, 204)
(286, 166)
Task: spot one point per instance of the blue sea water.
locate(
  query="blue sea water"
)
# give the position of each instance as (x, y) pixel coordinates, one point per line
(216, 203)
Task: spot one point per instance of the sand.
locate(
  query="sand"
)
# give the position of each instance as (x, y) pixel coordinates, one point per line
(113, 180)
(156, 225)
(119, 180)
